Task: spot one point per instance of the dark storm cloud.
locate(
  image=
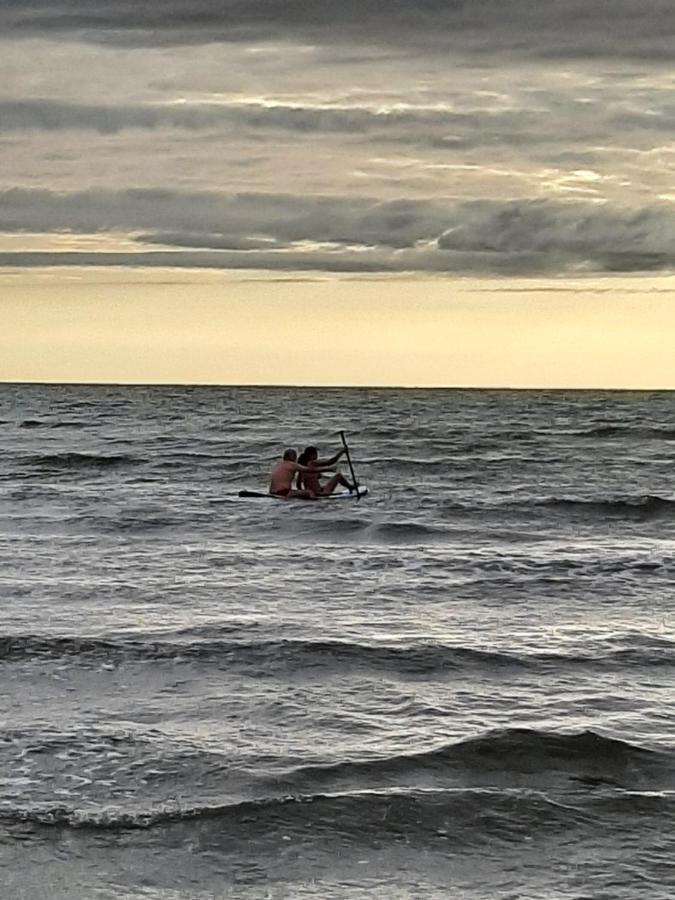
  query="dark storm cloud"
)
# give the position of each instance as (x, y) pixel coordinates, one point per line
(283, 232)
(566, 28)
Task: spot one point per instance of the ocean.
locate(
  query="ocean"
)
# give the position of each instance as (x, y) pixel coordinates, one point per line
(460, 686)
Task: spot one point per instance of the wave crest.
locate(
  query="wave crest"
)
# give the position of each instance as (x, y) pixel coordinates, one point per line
(269, 655)
(505, 754)
(644, 506)
(393, 813)
(664, 433)
(77, 461)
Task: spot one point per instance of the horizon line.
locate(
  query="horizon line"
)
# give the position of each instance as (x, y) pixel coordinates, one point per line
(336, 387)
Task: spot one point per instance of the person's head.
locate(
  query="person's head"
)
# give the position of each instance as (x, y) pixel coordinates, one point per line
(290, 455)
(308, 455)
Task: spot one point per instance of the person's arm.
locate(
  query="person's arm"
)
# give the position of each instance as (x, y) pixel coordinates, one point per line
(332, 460)
(298, 468)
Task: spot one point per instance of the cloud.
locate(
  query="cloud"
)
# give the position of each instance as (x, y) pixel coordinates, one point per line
(403, 122)
(50, 115)
(282, 217)
(366, 261)
(574, 230)
(562, 28)
(335, 234)
(330, 118)
(205, 241)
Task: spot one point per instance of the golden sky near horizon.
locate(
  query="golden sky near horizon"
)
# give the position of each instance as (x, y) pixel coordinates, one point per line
(614, 332)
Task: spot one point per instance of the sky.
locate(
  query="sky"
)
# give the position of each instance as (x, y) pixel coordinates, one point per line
(282, 191)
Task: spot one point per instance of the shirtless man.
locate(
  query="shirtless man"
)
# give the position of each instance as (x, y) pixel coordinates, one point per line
(309, 480)
(285, 471)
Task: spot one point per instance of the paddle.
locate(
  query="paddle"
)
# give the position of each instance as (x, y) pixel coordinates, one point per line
(349, 463)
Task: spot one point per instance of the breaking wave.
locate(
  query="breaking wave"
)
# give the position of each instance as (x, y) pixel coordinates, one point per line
(406, 814)
(601, 772)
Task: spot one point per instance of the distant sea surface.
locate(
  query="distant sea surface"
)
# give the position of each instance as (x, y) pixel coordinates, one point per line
(461, 686)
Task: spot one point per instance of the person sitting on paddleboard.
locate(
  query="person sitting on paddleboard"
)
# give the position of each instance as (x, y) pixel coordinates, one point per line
(309, 479)
(285, 471)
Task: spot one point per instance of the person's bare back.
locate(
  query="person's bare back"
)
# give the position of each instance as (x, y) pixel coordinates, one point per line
(282, 477)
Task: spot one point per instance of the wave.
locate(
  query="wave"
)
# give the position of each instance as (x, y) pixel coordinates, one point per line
(405, 532)
(636, 506)
(587, 758)
(519, 748)
(658, 432)
(508, 780)
(175, 460)
(464, 815)
(467, 814)
(132, 522)
(266, 657)
(77, 461)
(45, 423)
(643, 506)
(441, 451)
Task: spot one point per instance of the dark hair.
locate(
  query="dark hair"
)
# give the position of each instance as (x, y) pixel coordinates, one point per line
(308, 452)
(290, 453)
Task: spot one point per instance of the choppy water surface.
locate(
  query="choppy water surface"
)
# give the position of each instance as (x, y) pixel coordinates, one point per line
(461, 686)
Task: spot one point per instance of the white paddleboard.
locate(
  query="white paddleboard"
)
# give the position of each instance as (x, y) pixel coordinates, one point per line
(341, 494)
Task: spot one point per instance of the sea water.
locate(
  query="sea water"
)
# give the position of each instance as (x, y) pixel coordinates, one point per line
(461, 686)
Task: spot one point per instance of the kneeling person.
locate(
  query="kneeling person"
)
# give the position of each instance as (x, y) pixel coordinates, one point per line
(309, 479)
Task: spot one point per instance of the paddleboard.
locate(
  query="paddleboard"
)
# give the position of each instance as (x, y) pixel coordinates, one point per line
(336, 495)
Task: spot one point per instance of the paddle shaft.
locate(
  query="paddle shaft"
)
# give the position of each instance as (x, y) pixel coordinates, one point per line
(351, 467)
